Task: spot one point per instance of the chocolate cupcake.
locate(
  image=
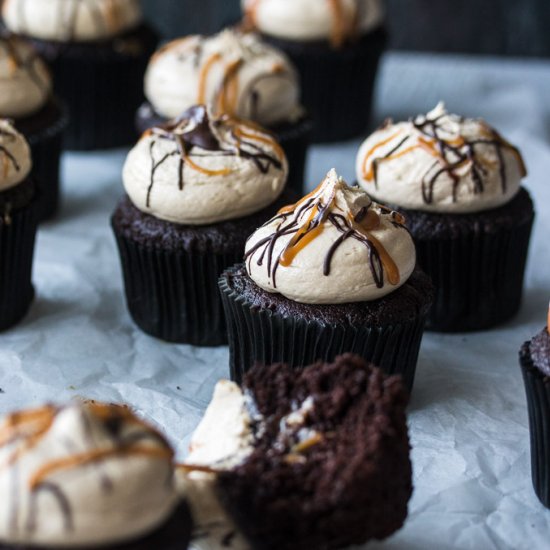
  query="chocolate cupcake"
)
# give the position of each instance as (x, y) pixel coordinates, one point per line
(316, 459)
(26, 98)
(98, 52)
(336, 46)
(535, 365)
(197, 187)
(88, 475)
(238, 75)
(18, 221)
(458, 182)
(333, 273)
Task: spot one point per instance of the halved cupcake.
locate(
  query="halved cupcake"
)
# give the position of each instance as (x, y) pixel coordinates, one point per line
(98, 52)
(294, 460)
(333, 273)
(88, 475)
(336, 46)
(458, 182)
(196, 188)
(238, 75)
(26, 97)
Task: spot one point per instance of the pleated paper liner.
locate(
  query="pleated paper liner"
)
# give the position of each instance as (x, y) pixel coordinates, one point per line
(46, 147)
(17, 237)
(293, 137)
(101, 86)
(337, 84)
(173, 294)
(261, 336)
(537, 388)
(478, 271)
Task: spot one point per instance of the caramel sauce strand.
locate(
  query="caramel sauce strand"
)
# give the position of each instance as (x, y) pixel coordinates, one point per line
(340, 30)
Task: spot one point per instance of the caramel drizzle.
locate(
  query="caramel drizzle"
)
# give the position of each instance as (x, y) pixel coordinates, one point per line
(184, 144)
(450, 156)
(317, 214)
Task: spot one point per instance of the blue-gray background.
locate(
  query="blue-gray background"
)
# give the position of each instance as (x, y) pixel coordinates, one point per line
(503, 27)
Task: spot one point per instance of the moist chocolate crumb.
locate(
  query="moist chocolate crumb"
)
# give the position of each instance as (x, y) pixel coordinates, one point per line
(353, 485)
(540, 351)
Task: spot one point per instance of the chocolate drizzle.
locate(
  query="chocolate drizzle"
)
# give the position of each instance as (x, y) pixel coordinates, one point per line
(22, 432)
(450, 155)
(7, 156)
(221, 137)
(306, 220)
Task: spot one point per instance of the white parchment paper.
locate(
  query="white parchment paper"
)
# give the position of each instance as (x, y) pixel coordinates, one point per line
(468, 419)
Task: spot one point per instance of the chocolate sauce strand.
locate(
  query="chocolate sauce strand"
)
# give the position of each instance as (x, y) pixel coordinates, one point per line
(332, 250)
(60, 498)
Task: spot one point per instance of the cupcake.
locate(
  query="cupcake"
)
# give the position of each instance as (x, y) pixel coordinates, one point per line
(98, 51)
(18, 221)
(196, 188)
(26, 98)
(336, 46)
(88, 476)
(458, 182)
(237, 74)
(535, 365)
(316, 459)
(333, 273)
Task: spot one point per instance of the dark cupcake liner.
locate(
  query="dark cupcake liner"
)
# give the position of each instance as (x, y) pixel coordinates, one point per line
(537, 388)
(261, 336)
(478, 276)
(17, 237)
(337, 84)
(101, 88)
(173, 294)
(46, 148)
(293, 137)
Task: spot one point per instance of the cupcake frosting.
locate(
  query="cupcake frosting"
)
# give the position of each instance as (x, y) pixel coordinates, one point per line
(334, 246)
(201, 169)
(25, 82)
(307, 20)
(82, 475)
(236, 73)
(15, 156)
(440, 162)
(71, 20)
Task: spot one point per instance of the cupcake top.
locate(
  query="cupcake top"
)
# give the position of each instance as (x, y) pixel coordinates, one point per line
(25, 82)
(237, 73)
(15, 156)
(540, 349)
(82, 475)
(71, 20)
(201, 169)
(307, 20)
(285, 437)
(440, 162)
(334, 246)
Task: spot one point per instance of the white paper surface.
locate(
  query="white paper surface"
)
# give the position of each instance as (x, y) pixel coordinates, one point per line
(468, 418)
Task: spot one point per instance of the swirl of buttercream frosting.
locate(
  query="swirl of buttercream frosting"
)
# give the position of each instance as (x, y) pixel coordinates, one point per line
(25, 82)
(202, 169)
(71, 20)
(15, 156)
(440, 162)
(82, 475)
(334, 246)
(236, 73)
(308, 20)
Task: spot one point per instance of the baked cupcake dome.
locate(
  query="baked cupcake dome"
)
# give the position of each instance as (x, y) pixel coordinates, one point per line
(88, 475)
(333, 273)
(336, 46)
(18, 221)
(311, 459)
(236, 74)
(535, 365)
(197, 187)
(26, 97)
(458, 182)
(98, 51)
